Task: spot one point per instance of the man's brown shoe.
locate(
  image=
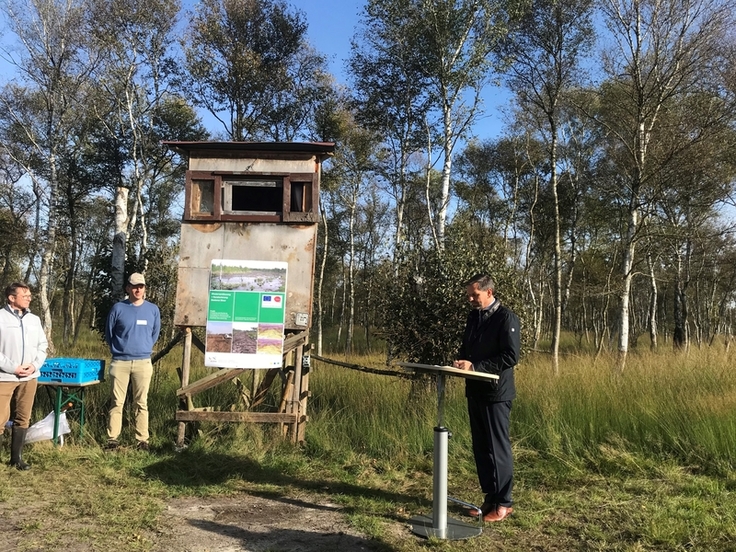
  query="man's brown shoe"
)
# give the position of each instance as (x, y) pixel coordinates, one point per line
(499, 514)
(485, 509)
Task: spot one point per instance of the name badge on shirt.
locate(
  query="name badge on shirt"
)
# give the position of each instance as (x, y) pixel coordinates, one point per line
(141, 322)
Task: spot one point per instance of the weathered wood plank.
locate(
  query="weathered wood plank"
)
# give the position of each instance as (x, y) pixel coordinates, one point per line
(260, 395)
(201, 243)
(294, 341)
(221, 376)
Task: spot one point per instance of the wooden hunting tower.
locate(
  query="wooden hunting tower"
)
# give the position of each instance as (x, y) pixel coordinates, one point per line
(253, 202)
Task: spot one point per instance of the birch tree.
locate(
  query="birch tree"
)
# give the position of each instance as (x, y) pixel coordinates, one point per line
(699, 184)
(41, 108)
(16, 205)
(545, 50)
(450, 44)
(251, 66)
(348, 178)
(390, 91)
(661, 52)
(136, 100)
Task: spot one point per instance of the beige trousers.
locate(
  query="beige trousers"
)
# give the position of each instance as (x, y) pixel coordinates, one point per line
(138, 373)
(23, 392)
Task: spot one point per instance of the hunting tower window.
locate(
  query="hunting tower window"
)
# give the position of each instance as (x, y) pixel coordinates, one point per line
(254, 197)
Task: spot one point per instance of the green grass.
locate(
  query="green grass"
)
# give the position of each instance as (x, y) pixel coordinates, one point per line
(643, 461)
(679, 407)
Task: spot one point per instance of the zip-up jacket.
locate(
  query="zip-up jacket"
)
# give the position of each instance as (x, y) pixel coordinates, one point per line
(22, 341)
(492, 342)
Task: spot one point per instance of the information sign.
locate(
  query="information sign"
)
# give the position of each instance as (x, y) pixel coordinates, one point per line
(245, 314)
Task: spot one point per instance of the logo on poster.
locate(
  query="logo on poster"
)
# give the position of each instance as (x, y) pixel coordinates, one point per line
(271, 301)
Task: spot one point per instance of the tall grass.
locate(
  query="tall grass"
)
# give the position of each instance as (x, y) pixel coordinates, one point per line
(679, 406)
(377, 415)
(666, 405)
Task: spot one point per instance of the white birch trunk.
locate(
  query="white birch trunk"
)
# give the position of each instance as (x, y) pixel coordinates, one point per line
(322, 266)
(652, 304)
(628, 275)
(119, 241)
(47, 256)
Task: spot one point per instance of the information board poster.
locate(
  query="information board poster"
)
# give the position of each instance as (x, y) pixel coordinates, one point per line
(245, 314)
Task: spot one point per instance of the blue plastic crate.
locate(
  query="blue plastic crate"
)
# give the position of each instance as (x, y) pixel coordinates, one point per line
(72, 370)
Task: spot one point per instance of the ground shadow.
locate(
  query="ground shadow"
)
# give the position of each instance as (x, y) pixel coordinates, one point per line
(291, 539)
(195, 469)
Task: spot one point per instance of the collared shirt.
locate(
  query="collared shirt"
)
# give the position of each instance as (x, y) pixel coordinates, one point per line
(485, 313)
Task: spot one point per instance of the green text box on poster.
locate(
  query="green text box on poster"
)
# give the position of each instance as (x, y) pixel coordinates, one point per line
(246, 306)
(272, 308)
(221, 306)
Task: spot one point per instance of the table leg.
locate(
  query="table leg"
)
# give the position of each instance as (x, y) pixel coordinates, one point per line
(441, 526)
(81, 412)
(439, 491)
(57, 413)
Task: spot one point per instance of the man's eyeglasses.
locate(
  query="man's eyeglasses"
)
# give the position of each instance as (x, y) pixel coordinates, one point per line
(24, 296)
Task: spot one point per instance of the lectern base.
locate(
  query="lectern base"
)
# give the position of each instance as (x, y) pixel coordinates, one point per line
(456, 530)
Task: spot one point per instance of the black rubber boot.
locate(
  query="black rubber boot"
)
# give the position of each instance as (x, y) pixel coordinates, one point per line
(16, 448)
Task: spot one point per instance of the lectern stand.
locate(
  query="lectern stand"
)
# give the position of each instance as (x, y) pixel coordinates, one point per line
(439, 525)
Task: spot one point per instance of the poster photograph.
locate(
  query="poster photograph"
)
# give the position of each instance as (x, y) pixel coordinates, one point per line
(245, 314)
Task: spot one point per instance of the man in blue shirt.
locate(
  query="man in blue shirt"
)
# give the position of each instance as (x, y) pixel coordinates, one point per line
(132, 330)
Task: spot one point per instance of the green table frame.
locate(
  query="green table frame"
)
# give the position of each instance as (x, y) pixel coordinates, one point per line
(68, 393)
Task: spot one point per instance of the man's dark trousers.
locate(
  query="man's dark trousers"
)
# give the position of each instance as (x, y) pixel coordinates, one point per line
(489, 427)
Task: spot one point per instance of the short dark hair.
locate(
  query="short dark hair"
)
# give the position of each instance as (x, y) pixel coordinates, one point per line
(484, 281)
(13, 288)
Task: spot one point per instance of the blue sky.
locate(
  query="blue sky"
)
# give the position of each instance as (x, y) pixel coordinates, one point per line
(331, 26)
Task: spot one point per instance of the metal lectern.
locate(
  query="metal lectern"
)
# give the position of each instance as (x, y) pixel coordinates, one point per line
(439, 525)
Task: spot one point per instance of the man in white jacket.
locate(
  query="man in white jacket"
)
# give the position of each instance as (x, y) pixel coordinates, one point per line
(23, 346)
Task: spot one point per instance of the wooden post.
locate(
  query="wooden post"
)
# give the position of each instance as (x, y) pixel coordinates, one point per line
(292, 406)
(296, 395)
(285, 404)
(185, 365)
(303, 396)
(254, 383)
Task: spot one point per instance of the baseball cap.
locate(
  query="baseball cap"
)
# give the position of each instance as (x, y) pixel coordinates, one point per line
(137, 279)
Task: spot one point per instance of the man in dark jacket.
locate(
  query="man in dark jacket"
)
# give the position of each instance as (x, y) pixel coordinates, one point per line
(491, 344)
